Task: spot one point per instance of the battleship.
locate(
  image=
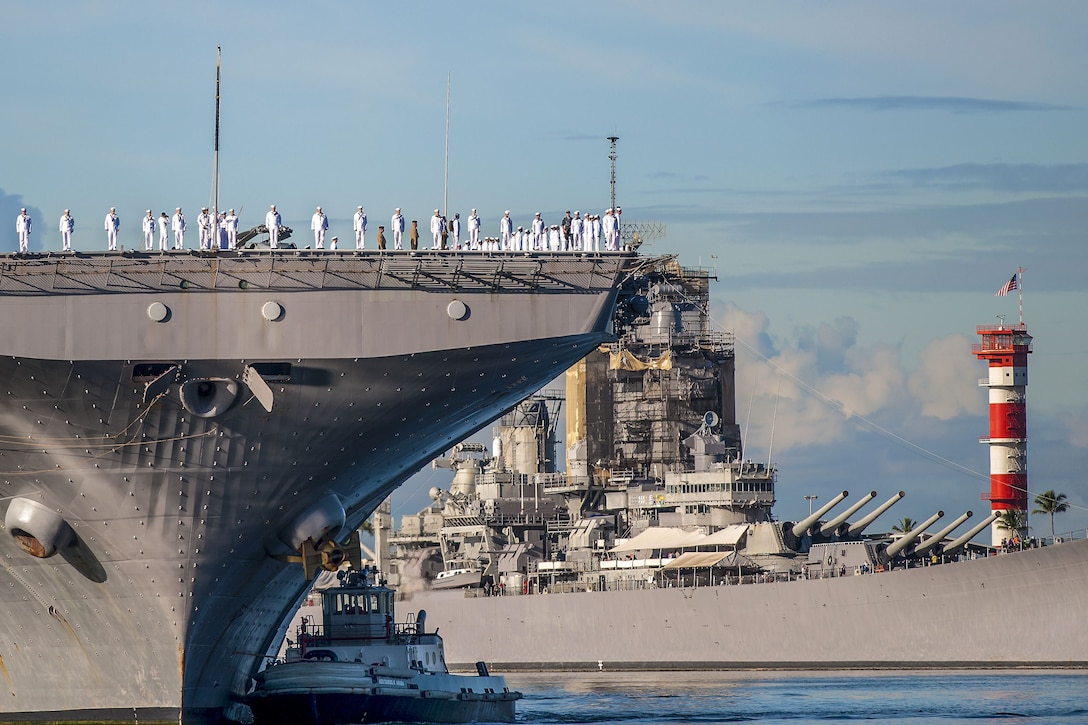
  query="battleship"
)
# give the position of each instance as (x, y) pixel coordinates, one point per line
(654, 545)
(188, 437)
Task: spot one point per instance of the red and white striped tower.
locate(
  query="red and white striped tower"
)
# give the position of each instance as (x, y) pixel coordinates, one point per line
(1006, 347)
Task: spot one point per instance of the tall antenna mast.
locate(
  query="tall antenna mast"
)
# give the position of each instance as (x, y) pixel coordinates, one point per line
(446, 176)
(612, 157)
(215, 170)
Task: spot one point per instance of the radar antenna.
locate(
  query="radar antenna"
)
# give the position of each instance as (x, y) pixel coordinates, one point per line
(634, 234)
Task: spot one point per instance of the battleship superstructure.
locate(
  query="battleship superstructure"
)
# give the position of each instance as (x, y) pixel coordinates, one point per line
(179, 429)
(657, 547)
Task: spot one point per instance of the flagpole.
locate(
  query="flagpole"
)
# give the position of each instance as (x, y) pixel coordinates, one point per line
(1020, 289)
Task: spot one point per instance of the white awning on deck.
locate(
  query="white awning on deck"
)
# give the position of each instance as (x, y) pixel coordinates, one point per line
(668, 537)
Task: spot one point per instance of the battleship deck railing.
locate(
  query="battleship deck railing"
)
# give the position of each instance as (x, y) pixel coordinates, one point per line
(135, 272)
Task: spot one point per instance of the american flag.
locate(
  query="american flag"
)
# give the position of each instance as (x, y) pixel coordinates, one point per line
(1008, 286)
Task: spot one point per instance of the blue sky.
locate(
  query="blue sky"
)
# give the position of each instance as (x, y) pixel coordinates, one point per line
(862, 176)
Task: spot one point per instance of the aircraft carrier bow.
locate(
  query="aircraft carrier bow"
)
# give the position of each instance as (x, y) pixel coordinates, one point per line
(176, 429)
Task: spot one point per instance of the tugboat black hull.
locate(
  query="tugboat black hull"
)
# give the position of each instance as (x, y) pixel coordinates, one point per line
(368, 705)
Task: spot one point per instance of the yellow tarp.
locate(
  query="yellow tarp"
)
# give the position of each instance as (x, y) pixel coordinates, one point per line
(626, 360)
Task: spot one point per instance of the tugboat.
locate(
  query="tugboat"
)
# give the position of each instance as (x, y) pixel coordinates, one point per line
(359, 666)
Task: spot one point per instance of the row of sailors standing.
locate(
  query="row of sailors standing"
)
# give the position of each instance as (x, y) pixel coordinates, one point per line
(225, 228)
(576, 233)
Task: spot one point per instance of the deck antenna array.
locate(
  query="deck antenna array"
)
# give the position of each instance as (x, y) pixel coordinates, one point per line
(612, 157)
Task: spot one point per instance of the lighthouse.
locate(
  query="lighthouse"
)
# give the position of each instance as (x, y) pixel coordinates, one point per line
(1006, 348)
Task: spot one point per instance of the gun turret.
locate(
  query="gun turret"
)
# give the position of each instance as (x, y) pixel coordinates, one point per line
(858, 527)
(793, 533)
(909, 538)
(936, 539)
(954, 546)
(831, 526)
(804, 525)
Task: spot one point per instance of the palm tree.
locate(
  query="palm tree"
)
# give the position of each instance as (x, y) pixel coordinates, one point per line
(905, 525)
(1050, 503)
(1015, 522)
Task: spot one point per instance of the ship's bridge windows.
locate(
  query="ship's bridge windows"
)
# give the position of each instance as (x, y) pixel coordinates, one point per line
(349, 604)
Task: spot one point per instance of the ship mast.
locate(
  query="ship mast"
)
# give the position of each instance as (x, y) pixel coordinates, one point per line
(215, 169)
(612, 157)
(446, 174)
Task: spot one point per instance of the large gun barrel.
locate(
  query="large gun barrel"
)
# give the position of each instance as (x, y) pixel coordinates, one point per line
(857, 528)
(897, 546)
(953, 546)
(804, 525)
(835, 523)
(932, 541)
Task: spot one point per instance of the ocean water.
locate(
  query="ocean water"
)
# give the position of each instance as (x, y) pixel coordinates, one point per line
(1010, 697)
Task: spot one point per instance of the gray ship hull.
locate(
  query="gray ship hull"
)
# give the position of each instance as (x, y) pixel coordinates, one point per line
(1014, 610)
(179, 417)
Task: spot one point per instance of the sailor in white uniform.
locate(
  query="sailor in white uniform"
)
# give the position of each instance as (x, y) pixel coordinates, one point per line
(618, 221)
(455, 231)
(506, 230)
(22, 228)
(221, 231)
(519, 240)
(148, 226)
(178, 225)
(319, 223)
(164, 232)
(359, 225)
(204, 223)
(232, 229)
(607, 225)
(555, 239)
(537, 236)
(595, 233)
(333, 242)
(577, 225)
(474, 230)
(273, 221)
(112, 226)
(396, 224)
(436, 230)
(67, 226)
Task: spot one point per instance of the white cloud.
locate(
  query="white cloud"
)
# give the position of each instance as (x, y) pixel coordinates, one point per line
(808, 387)
(945, 382)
